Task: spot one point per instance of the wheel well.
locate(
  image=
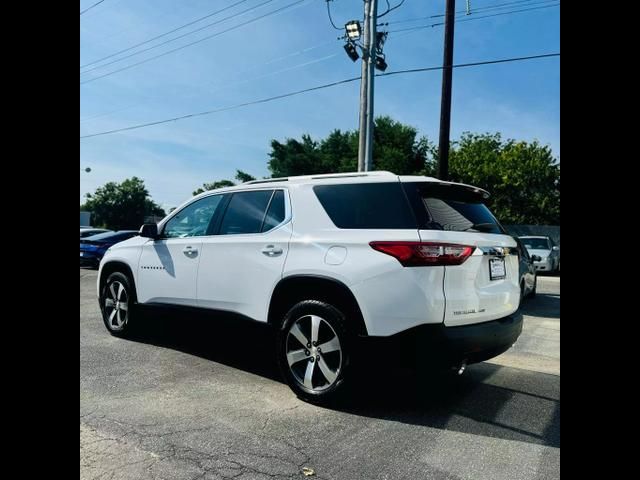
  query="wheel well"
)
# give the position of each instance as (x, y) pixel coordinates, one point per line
(292, 290)
(109, 268)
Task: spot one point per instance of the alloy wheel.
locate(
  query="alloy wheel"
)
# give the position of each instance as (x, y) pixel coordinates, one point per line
(314, 354)
(116, 306)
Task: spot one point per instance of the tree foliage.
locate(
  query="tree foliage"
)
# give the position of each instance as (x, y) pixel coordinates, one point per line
(522, 177)
(121, 205)
(240, 177)
(396, 148)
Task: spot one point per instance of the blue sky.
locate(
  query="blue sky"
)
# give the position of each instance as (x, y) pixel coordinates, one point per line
(519, 99)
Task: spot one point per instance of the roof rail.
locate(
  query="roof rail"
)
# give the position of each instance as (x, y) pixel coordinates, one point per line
(321, 176)
(352, 174)
(267, 180)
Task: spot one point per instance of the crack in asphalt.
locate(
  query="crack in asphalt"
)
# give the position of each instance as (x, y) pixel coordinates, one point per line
(228, 464)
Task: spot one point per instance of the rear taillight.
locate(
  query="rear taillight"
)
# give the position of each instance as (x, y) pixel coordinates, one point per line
(419, 254)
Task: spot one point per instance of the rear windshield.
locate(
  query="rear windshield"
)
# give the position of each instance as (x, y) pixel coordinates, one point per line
(366, 205)
(536, 243)
(450, 207)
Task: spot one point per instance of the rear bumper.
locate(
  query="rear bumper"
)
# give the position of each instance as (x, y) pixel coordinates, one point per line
(439, 345)
(545, 266)
(482, 341)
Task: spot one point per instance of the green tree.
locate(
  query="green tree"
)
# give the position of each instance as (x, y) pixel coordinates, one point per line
(240, 177)
(523, 178)
(121, 205)
(295, 157)
(396, 148)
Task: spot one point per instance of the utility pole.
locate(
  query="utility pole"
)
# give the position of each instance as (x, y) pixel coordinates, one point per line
(445, 106)
(365, 145)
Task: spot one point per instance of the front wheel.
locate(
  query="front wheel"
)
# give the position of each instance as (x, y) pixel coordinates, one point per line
(116, 304)
(313, 351)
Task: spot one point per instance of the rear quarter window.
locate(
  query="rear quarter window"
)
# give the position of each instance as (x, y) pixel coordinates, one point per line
(366, 205)
(450, 207)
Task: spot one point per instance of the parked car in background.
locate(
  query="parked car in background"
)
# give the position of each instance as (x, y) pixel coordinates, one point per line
(546, 249)
(88, 231)
(93, 248)
(527, 269)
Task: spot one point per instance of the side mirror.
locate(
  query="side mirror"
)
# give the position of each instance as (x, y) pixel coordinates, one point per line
(149, 230)
(536, 258)
(556, 248)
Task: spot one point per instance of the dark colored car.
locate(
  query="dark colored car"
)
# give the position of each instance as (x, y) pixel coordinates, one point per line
(93, 248)
(527, 270)
(87, 232)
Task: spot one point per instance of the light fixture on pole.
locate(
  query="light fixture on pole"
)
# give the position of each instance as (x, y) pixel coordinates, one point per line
(354, 31)
(350, 48)
(381, 37)
(381, 64)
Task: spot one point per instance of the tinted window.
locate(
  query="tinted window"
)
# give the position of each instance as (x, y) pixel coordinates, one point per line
(245, 213)
(366, 205)
(536, 243)
(451, 207)
(194, 219)
(275, 213)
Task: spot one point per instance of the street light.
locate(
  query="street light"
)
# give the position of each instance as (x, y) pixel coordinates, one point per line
(353, 29)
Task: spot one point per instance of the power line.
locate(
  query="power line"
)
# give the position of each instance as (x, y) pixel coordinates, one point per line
(243, 72)
(177, 38)
(319, 87)
(329, 14)
(495, 6)
(389, 10)
(274, 12)
(419, 27)
(89, 8)
(164, 34)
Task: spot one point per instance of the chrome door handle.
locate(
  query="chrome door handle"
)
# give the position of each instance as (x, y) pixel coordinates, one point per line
(190, 251)
(271, 251)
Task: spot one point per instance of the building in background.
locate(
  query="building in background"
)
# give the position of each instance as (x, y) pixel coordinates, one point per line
(85, 219)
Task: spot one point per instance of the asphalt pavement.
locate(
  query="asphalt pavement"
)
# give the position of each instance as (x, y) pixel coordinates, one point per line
(194, 398)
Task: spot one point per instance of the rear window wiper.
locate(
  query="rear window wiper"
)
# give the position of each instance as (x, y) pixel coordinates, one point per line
(486, 227)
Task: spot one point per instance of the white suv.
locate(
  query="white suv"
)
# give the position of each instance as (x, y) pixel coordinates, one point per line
(328, 260)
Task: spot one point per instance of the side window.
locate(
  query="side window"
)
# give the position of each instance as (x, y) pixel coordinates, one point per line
(275, 213)
(366, 205)
(245, 213)
(193, 220)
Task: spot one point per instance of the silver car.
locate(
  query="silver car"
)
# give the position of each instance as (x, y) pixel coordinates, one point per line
(546, 249)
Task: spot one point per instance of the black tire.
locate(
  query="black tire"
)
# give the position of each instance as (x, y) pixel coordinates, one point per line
(333, 390)
(118, 318)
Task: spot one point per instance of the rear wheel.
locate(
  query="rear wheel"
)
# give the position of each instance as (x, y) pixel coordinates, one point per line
(116, 304)
(313, 351)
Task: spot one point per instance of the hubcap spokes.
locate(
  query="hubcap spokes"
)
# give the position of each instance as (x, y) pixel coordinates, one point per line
(116, 305)
(313, 352)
